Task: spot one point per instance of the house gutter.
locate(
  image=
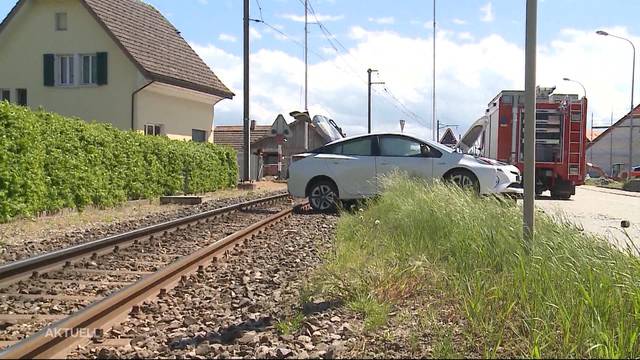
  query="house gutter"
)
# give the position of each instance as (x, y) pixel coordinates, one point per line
(133, 103)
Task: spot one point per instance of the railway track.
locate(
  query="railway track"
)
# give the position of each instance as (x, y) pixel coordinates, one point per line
(72, 295)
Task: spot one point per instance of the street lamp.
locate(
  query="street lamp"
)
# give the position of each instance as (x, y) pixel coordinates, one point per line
(633, 77)
(577, 82)
(633, 71)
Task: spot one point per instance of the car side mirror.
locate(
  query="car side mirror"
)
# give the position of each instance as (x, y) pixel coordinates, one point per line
(425, 150)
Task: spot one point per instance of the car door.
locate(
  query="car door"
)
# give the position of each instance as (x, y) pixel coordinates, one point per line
(405, 154)
(352, 166)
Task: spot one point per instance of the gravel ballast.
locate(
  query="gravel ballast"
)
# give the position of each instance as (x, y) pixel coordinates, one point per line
(244, 305)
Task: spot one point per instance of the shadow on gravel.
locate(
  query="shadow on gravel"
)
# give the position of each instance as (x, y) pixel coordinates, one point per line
(227, 335)
(316, 308)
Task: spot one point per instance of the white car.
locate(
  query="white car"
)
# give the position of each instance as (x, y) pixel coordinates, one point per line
(349, 169)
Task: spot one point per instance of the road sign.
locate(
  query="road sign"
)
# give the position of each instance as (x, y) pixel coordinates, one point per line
(280, 127)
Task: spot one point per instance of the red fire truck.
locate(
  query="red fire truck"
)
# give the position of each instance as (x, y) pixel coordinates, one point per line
(560, 138)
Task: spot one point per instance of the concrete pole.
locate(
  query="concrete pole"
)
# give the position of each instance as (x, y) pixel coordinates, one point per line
(433, 107)
(369, 71)
(247, 125)
(306, 72)
(530, 124)
(631, 120)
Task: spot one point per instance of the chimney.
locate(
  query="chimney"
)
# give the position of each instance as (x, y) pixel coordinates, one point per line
(253, 125)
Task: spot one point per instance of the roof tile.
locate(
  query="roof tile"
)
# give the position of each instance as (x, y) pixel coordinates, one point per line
(156, 45)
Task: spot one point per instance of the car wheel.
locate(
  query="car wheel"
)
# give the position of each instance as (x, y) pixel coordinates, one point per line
(465, 179)
(323, 196)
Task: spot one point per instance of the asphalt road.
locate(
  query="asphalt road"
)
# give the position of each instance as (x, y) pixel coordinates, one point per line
(600, 211)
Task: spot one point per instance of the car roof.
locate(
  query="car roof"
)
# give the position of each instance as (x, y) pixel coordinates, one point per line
(431, 143)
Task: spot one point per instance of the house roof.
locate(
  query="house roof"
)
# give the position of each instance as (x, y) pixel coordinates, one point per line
(152, 43)
(635, 113)
(232, 135)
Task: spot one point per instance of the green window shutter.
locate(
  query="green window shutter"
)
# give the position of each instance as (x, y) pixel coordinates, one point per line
(49, 77)
(103, 68)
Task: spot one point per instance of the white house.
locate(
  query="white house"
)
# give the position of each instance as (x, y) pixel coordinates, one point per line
(115, 61)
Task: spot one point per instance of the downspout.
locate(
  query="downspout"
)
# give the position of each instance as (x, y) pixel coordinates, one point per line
(133, 102)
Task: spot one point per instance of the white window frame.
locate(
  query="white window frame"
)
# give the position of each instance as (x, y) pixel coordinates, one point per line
(2, 90)
(93, 76)
(58, 22)
(153, 129)
(71, 75)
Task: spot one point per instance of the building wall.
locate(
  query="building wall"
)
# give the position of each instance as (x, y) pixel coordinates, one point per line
(294, 145)
(31, 34)
(613, 147)
(177, 110)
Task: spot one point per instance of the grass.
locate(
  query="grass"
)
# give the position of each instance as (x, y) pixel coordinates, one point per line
(606, 183)
(571, 295)
(290, 326)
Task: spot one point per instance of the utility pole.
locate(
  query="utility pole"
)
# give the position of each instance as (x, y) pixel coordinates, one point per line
(591, 138)
(433, 121)
(369, 71)
(246, 122)
(306, 72)
(530, 125)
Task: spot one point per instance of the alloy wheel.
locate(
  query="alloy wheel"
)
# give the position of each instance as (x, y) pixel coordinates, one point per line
(322, 197)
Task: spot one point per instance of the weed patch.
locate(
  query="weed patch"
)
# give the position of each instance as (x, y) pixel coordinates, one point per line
(574, 295)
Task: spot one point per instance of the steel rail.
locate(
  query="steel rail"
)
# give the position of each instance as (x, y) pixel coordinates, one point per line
(91, 322)
(24, 268)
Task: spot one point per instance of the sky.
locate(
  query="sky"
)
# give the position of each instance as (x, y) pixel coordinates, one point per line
(479, 51)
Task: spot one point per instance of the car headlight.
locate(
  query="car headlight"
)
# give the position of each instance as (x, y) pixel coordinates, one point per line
(497, 180)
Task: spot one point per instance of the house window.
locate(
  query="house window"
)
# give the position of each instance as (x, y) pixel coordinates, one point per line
(65, 70)
(89, 65)
(153, 129)
(61, 21)
(199, 135)
(5, 94)
(22, 96)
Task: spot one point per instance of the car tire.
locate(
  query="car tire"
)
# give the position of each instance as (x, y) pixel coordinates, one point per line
(323, 196)
(464, 179)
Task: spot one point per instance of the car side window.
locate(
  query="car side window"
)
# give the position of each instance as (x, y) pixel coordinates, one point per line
(399, 147)
(335, 149)
(359, 147)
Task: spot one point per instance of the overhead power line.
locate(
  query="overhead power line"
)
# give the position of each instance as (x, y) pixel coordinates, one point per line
(339, 48)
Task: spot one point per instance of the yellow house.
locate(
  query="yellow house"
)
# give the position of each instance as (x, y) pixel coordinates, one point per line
(115, 61)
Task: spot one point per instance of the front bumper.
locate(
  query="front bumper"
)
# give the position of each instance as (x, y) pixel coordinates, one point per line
(508, 181)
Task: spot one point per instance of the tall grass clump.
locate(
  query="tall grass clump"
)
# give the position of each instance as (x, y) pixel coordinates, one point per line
(571, 295)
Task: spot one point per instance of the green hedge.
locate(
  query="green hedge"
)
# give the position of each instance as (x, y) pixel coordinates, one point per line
(49, 162)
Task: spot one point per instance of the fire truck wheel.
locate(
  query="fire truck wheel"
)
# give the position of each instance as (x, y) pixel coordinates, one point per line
(560, 196)
(465, 179)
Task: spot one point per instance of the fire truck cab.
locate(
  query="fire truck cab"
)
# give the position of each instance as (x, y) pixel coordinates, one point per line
(560, 138)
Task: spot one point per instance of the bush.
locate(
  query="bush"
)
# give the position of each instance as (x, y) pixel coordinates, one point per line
(49, 162)
(573, 295)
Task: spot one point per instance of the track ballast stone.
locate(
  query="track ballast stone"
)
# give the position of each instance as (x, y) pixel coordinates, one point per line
(245, 305)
